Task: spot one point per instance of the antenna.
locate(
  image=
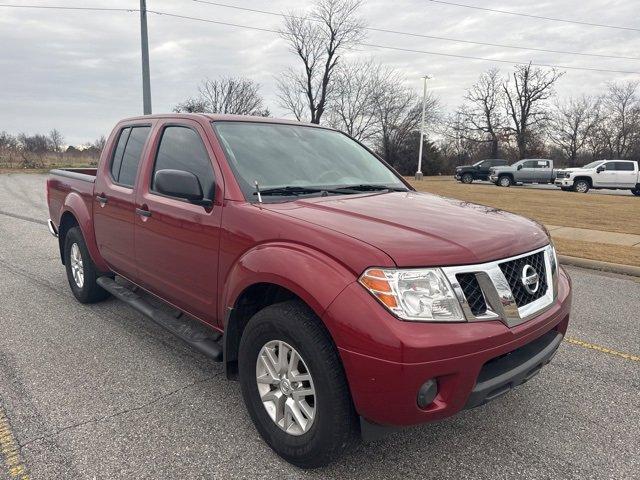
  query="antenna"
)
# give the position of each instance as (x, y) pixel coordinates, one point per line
(255, 182)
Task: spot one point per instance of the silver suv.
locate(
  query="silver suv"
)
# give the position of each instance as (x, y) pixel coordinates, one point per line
(529, 170)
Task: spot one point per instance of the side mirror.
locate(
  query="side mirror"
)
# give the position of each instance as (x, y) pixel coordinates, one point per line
(600, 169)
(180, 184)
(519, 167)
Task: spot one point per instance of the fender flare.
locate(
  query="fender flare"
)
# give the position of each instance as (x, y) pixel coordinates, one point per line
(76, 206)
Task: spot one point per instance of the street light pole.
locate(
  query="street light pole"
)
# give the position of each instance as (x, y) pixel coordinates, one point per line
(144, 40)
(424, 101)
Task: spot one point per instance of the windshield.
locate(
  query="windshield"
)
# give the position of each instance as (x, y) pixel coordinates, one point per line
(593, 164)
(477, 163)
(280, 155)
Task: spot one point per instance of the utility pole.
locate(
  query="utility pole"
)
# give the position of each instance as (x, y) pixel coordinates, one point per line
(144, 40)
(424, 101)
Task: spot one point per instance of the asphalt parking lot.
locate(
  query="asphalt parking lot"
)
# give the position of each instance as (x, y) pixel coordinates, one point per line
(101, 392)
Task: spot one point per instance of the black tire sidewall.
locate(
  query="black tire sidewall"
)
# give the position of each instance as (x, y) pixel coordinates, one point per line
(90, 291)
(467, 178)
(333, 422)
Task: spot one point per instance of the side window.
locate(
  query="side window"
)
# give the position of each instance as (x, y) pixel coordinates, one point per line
(116, 161)
(610, 166)
(625, 166)
(529, 164)
(132, 153)
(181, 148)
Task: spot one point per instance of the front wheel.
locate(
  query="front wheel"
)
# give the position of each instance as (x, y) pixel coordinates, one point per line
(81, 271)
(636, 191)
(581, 186)
(505, 181)
(294, 386)
(467, 178)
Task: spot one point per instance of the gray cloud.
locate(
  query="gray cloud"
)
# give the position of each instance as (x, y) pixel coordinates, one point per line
(80, 71)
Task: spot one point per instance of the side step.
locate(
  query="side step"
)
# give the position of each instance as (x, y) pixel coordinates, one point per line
(192, 331)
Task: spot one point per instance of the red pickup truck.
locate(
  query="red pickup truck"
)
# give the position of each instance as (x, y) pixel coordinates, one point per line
(344, 301)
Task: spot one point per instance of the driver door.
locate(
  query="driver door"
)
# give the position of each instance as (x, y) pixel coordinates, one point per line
(176, 241)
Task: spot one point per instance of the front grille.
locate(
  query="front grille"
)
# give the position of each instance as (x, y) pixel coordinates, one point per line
(472, 292)
(560, 174)
(512, 271)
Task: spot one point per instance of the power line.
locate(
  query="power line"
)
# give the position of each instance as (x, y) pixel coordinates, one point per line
(387, 47)
(61, 7)
(433, 37)
(540, 17)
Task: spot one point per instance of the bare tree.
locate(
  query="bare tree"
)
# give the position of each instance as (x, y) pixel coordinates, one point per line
(352, 107)
(33, 149)
(318, 40)
(619, 130)
(232, 95)
(572, 125)
(56, 140)
(398, 111)
(8, 149)
(525, 102)
(482, 116)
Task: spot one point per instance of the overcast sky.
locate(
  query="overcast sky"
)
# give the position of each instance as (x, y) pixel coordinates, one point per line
(79, 71)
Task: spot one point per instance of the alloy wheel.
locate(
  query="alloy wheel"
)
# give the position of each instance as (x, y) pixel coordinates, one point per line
(77, 268)
(286, 387)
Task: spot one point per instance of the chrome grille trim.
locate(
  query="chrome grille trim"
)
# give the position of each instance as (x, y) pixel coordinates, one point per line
(501, 304)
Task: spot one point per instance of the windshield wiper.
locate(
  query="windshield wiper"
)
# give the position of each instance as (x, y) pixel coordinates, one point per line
(296, 190)
(367, 187)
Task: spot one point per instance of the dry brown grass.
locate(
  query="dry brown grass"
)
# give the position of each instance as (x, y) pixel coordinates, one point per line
(610, 213)
(599, 251)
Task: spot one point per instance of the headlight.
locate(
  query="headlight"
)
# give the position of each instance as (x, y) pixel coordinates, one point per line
(417, 294)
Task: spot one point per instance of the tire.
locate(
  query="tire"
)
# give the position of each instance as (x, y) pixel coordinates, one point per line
(467, 178)
(505, 181)
(334, 421)
(636, 191)
(581, 186)
(565, 189)
(81, 271)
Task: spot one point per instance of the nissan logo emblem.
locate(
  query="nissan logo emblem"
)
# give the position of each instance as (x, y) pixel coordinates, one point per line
(530, 279)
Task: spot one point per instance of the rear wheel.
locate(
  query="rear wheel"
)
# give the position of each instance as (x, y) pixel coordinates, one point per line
(294, 386)
(467, 178)
(636, 191)
(505, 181)
(81, 271)
(581, 186)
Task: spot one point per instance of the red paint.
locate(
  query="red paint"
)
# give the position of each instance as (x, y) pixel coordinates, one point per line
(201, 260)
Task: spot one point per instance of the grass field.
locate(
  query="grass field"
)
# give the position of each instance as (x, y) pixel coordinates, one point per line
(610, 213)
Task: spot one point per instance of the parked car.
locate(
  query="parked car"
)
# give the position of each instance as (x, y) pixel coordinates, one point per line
(344, 301)
(614, 174)
(529, 170)
(477, 171)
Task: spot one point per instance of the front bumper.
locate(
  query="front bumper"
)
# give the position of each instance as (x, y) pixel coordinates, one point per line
(563, 182)
(384, 384)
(493, 178)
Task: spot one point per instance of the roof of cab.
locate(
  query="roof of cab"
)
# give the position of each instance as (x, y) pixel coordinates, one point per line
(218, 117)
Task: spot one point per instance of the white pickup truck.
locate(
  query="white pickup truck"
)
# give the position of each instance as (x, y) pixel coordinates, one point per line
(614, 174)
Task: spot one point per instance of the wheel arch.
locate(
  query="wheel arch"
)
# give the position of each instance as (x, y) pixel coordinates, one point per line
(589, 180)
(270, 274)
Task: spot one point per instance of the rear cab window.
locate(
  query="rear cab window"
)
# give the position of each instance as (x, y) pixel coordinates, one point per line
(127, 154)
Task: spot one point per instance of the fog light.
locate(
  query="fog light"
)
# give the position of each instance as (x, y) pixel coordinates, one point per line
(427, 393)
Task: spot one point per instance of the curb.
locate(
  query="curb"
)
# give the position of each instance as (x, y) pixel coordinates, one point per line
(598, 265)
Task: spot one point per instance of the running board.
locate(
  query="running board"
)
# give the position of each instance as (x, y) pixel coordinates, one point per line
(192, 331)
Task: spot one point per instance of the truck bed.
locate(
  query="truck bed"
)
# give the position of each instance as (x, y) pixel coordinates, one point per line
(64, 184)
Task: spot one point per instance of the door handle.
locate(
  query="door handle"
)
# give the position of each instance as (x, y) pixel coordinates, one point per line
(143, 212)
(101, 199)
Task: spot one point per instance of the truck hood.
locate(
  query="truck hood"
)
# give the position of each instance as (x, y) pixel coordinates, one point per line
(419, 229)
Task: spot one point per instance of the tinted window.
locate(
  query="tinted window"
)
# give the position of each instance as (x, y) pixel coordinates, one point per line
(530, 164)
(131, 157)
(182, 149)
(117, 154)
(610, 166)
(624, 166)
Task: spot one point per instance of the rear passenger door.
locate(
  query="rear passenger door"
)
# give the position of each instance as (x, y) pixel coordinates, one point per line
(176, 241)
(114, 202)
(626, 174)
